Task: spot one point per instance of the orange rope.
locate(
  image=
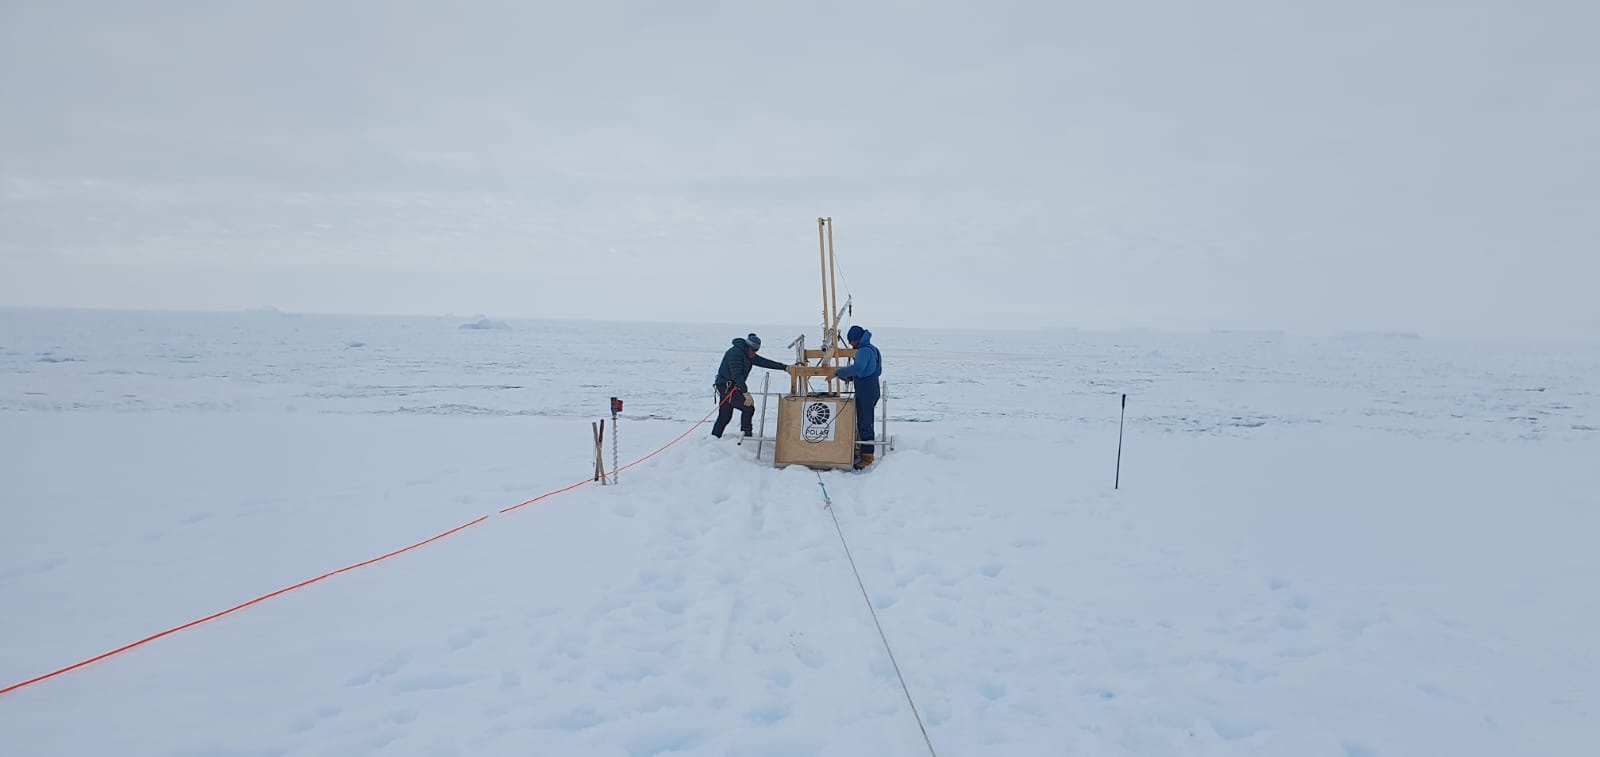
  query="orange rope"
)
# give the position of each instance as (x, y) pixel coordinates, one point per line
(235, 608)
(325, 576)
(663, 448)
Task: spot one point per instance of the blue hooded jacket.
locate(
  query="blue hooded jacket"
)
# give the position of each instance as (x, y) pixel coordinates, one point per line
(868, 365)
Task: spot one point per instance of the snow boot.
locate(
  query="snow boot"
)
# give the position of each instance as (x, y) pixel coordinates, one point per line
(864, 461)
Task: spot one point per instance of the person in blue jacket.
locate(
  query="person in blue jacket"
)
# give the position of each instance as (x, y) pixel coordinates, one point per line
(732, 391)
(864, 372)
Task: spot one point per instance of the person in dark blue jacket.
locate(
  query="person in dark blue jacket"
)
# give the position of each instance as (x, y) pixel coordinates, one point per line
(864, 372)
(731, 376)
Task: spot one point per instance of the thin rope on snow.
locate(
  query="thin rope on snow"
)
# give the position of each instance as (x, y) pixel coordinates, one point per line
(828, 505)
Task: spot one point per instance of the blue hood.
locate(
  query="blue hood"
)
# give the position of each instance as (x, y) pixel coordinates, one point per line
(868, 363)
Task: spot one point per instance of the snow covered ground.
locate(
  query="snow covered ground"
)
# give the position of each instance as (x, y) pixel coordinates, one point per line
(1349, 546)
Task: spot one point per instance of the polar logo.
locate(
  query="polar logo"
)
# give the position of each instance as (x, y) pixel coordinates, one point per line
(818, 422)
(818, 413)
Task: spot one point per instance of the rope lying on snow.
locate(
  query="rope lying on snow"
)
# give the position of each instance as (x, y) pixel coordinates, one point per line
(827, 504)
(346, 569)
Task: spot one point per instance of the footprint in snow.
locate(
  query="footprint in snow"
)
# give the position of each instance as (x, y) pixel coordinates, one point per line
(1301, 652)
(675, 739)
(673, 604)
(431, 682)
(769, 714)
(310, 722)
(32, 569)
(1235, 729)
(807, 654)
(466, 638)
(780, 678)
(388, 668)
(571, 646)
(403, 716)
(1354, 749)
(1097, 692)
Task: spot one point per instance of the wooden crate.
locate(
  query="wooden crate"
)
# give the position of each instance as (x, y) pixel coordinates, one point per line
(815, 437)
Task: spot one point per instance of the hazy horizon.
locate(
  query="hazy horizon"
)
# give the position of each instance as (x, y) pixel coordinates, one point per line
(813, 330)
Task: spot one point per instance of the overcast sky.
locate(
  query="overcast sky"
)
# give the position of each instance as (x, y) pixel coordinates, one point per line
(1423, 166)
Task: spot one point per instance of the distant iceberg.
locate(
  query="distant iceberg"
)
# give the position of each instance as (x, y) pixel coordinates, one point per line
(1387, 335)
(485, 323)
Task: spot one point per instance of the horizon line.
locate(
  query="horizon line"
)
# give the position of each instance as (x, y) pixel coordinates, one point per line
(269, 310)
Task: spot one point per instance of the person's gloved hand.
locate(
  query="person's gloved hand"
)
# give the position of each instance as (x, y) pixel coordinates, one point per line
(748, 402)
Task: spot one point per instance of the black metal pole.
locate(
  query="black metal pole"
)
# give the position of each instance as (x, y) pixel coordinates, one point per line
(599, 458)
(1123, 417)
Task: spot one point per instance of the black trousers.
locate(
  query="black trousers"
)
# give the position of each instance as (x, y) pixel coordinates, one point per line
(747, 413)
(867, 393)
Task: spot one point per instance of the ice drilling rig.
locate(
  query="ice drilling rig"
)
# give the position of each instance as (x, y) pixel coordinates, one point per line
(817, 417)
